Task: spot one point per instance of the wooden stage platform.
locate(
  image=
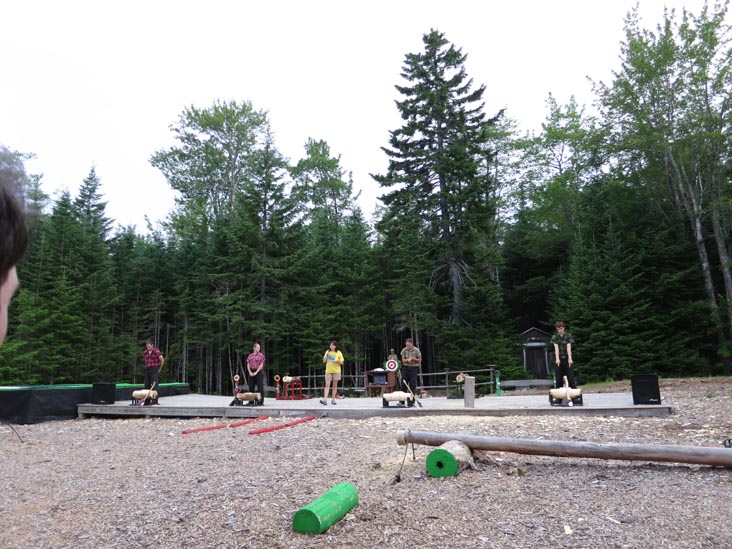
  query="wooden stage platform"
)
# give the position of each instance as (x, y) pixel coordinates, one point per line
(195, 405)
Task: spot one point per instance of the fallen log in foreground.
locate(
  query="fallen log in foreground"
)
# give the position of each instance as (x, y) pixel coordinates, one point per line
(633, 452)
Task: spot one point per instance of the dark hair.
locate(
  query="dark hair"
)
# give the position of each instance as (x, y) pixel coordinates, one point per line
(408, 340)
(559, 324)
(336, 345)
(13, 233)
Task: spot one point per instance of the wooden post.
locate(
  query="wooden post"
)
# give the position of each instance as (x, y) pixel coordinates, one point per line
(631, 452)
(469, 391)
(319, 515)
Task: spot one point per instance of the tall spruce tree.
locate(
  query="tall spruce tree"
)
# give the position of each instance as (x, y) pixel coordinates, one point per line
(360, 280)
(56, 344)
(97, 289)
(557, 164)
(434, 158)
(441, 215)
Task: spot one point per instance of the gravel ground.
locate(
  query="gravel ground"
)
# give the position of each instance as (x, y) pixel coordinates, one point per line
(142, 483)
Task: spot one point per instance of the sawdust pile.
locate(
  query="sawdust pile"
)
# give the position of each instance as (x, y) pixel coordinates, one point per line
(142, 483)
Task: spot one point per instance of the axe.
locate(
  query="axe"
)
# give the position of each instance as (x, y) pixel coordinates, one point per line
(414, 398)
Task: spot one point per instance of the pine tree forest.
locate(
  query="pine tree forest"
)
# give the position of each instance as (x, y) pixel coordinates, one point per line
(616, 219)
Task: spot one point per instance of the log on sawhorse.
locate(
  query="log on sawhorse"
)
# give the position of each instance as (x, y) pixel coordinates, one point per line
(400, 397)
(630, 452)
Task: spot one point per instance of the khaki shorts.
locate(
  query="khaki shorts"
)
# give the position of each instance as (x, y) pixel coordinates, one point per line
(333, 377)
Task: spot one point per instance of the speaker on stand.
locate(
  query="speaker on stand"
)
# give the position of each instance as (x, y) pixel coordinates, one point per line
(103, 393)
(645, 389)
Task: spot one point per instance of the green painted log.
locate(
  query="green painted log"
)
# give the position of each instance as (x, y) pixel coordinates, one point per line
(449, 459)
(319, 515)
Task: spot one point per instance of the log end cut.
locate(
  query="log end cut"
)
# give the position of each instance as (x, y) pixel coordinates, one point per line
(449, 459)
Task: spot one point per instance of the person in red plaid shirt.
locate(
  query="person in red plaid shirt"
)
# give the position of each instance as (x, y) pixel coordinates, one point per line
(153, 364)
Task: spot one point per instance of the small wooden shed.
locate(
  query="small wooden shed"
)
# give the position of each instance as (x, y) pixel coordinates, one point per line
(534, 345)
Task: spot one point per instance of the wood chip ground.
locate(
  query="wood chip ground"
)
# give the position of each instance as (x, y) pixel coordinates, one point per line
(142, 483)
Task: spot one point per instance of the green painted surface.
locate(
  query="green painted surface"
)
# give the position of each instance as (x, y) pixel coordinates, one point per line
(81, 386)
(319, 515)
(441, 463)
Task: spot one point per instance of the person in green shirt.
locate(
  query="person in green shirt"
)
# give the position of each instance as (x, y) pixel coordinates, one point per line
(411, 360)
(563, 342)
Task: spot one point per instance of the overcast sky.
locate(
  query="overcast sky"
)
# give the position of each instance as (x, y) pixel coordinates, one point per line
(98, 83)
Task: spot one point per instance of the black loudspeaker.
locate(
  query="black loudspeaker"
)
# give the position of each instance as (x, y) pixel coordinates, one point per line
(103, 393)
(645, 389)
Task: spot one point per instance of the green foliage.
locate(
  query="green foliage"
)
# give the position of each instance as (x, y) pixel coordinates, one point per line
(463, 349)
(434, 162)
(557, 165)
(623, 296)
(667, 111)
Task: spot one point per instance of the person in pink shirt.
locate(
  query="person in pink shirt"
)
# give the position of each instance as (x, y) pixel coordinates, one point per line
(255, 374)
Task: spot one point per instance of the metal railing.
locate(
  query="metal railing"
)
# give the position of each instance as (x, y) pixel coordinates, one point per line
(428, 380)
(449, 376)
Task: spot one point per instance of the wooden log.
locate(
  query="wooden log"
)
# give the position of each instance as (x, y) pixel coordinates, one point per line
(565, 393)
(449, 459)
(319, 515)
(396, 396)
(248, 396)
(631, 452)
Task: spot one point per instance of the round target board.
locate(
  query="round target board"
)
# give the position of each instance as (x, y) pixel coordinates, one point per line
(392, 365)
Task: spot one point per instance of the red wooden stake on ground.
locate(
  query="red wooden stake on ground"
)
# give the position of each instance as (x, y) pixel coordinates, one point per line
(276, 427)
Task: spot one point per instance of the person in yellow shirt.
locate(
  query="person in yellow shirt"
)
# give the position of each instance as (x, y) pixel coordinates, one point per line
(333, 360)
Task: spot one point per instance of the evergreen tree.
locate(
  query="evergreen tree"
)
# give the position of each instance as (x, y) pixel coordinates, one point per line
(556, 166)
(231, 231)
(434, 158)
(621, 295)
(324, 299)
(668, 112)
(51, 328)
(360, 280)
(97, 287)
